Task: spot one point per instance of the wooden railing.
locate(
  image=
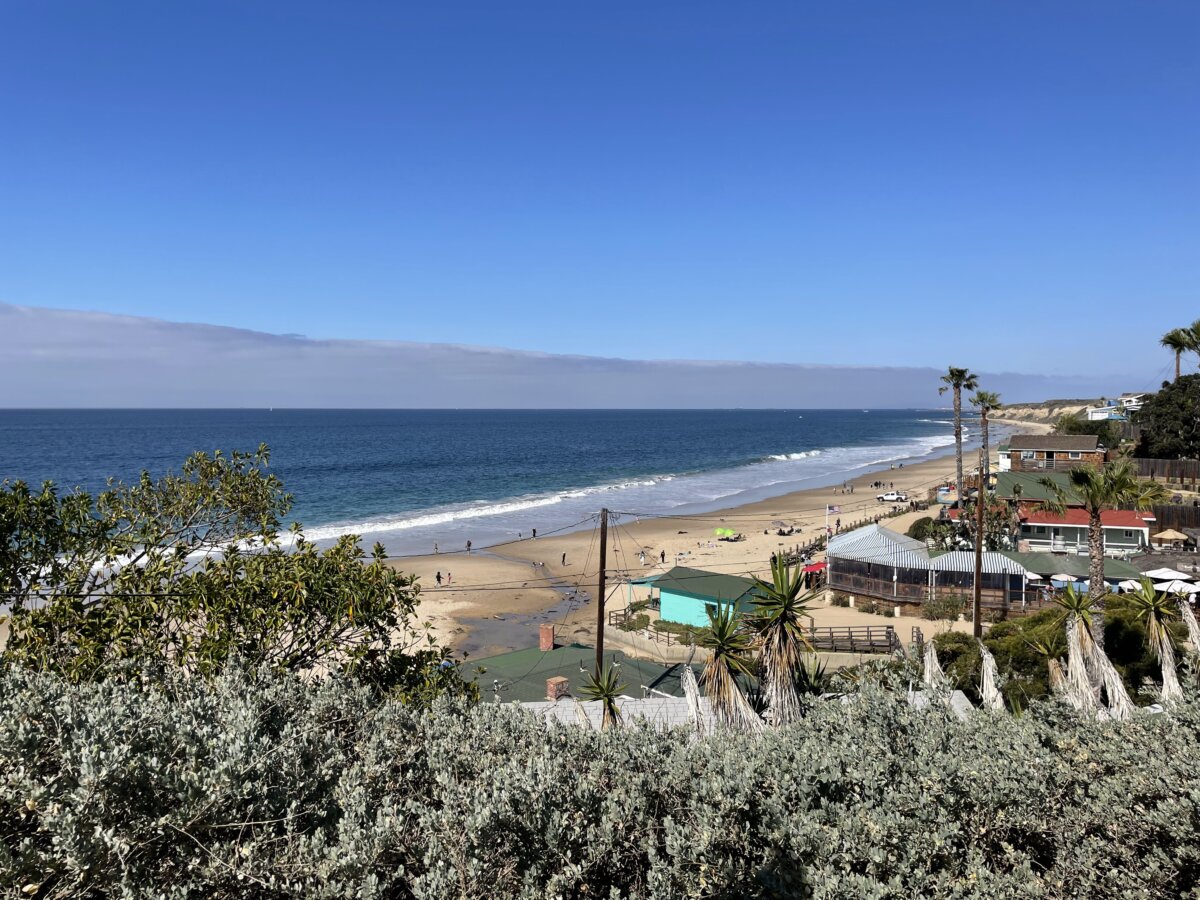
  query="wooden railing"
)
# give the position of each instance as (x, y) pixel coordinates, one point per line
(854, 638)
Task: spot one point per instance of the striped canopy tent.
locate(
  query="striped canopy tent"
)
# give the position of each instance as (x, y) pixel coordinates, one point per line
(875, 560)
(957, 569)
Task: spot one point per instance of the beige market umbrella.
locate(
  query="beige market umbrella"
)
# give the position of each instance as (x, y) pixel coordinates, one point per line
(1170, 536)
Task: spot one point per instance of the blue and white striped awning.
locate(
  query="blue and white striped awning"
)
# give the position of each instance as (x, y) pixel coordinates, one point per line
(875, 544)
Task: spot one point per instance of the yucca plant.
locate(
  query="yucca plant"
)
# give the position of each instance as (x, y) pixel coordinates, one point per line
(1085, 657)
(729, 656)
(605, 688)
(1055, 674)
(780, 608)
(1156, 611)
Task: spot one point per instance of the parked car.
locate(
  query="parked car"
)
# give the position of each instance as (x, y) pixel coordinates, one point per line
(893, 497)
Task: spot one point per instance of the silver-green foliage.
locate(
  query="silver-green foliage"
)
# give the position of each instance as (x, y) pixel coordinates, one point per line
(269, 787)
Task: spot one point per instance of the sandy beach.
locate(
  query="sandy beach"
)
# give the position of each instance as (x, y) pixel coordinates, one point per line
(496, 598)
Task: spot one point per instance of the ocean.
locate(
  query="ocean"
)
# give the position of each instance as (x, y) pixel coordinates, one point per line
(410, 478)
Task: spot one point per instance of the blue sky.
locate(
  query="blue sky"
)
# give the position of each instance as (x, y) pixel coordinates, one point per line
(794, 183)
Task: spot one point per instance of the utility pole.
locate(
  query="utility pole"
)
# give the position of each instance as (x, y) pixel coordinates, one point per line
(600, 593)
(977, 606)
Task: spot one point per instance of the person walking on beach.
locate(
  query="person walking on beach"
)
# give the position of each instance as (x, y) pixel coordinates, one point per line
(642, 557)
(435, 550)
(468, 548)
(439, 579)
(535, 533)
(564, 560)
(447, 576)
(662, 556)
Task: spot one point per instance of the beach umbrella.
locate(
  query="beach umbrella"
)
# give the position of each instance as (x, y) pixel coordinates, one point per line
(1062, 577)
(1129, 584)
(1166, 575)
(1168, 537)
(1176, 587)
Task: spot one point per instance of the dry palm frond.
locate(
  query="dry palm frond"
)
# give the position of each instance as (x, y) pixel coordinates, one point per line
(934, 678)
(1119, 704)
(1078, 688)
(1057, 678)
(691, 691)
(1189, 620)
(1155, 610)
(988, 689)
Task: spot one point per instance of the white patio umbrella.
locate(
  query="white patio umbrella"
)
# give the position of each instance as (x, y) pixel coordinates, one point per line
(1166, 575)
(1129, 584)
(1177, 587)
(1062, 577)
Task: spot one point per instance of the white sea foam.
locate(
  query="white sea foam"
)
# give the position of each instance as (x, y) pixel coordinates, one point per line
(486, 522)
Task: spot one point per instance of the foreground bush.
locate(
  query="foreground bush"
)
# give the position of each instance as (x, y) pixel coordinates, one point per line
(270, 787)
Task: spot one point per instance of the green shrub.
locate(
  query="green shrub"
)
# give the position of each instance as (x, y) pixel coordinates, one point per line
(921, 529)
(943, 608)
(867, 605)
(277, 788)
(635, 623)
(839, 600)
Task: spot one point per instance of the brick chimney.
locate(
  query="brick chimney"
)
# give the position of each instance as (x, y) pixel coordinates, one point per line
(546, 636)
(557, 687)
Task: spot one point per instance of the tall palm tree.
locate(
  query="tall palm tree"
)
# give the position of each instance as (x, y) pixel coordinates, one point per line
(1194, 331)
(958, 380)
(986, 402)
(729, 656)
(1157, 610)
(1096, 666)
(1110, 486)
(1180, 341)
(605, 688)
(779, 607)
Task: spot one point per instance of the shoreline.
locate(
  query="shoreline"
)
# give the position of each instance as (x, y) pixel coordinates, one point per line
(499, 595)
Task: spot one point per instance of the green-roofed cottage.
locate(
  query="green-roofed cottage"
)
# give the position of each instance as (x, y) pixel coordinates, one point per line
(1027, 487)
(688, 595)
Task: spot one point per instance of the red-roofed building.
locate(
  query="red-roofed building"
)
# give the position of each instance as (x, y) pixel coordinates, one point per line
(1125, 531)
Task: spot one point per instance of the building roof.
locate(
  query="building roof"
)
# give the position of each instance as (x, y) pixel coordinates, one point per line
(699, 583)
(660, 713)
(1109, 518)
(1031, 488)
(522, 674)
(1047, 564)
(1071, 443)
(874, 543)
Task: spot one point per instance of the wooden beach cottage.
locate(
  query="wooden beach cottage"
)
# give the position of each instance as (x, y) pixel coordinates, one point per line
(688, 595)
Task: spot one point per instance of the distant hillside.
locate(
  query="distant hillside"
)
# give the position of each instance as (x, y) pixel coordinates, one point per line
(1046, 411)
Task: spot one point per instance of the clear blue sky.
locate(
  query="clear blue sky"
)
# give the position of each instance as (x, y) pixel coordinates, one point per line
(688, 180)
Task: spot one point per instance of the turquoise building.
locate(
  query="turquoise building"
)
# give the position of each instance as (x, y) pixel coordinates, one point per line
(686, 595)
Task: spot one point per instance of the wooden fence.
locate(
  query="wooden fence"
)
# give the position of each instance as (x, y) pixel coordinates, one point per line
(1184, 472)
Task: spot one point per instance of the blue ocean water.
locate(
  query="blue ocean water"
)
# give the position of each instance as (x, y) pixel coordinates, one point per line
(409, 478)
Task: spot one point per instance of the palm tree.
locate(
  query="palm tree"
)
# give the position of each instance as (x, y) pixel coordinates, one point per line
(729, 657)
(986, 402)
(604, 687)
(779, 607)
(1180, 341)
(1086, 661)
(1111, 486)
(958, 380)
(1156, 611)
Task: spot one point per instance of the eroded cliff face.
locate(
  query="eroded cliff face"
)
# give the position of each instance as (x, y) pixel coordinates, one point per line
(1044, 413)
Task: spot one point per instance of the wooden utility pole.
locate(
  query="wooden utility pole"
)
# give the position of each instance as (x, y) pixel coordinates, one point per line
(600, 593)
(977, 606)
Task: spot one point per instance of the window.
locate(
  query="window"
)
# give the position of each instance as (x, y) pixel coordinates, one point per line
(1039, 529)
(1075, 454)
(1128, 533)
(1027, 454)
